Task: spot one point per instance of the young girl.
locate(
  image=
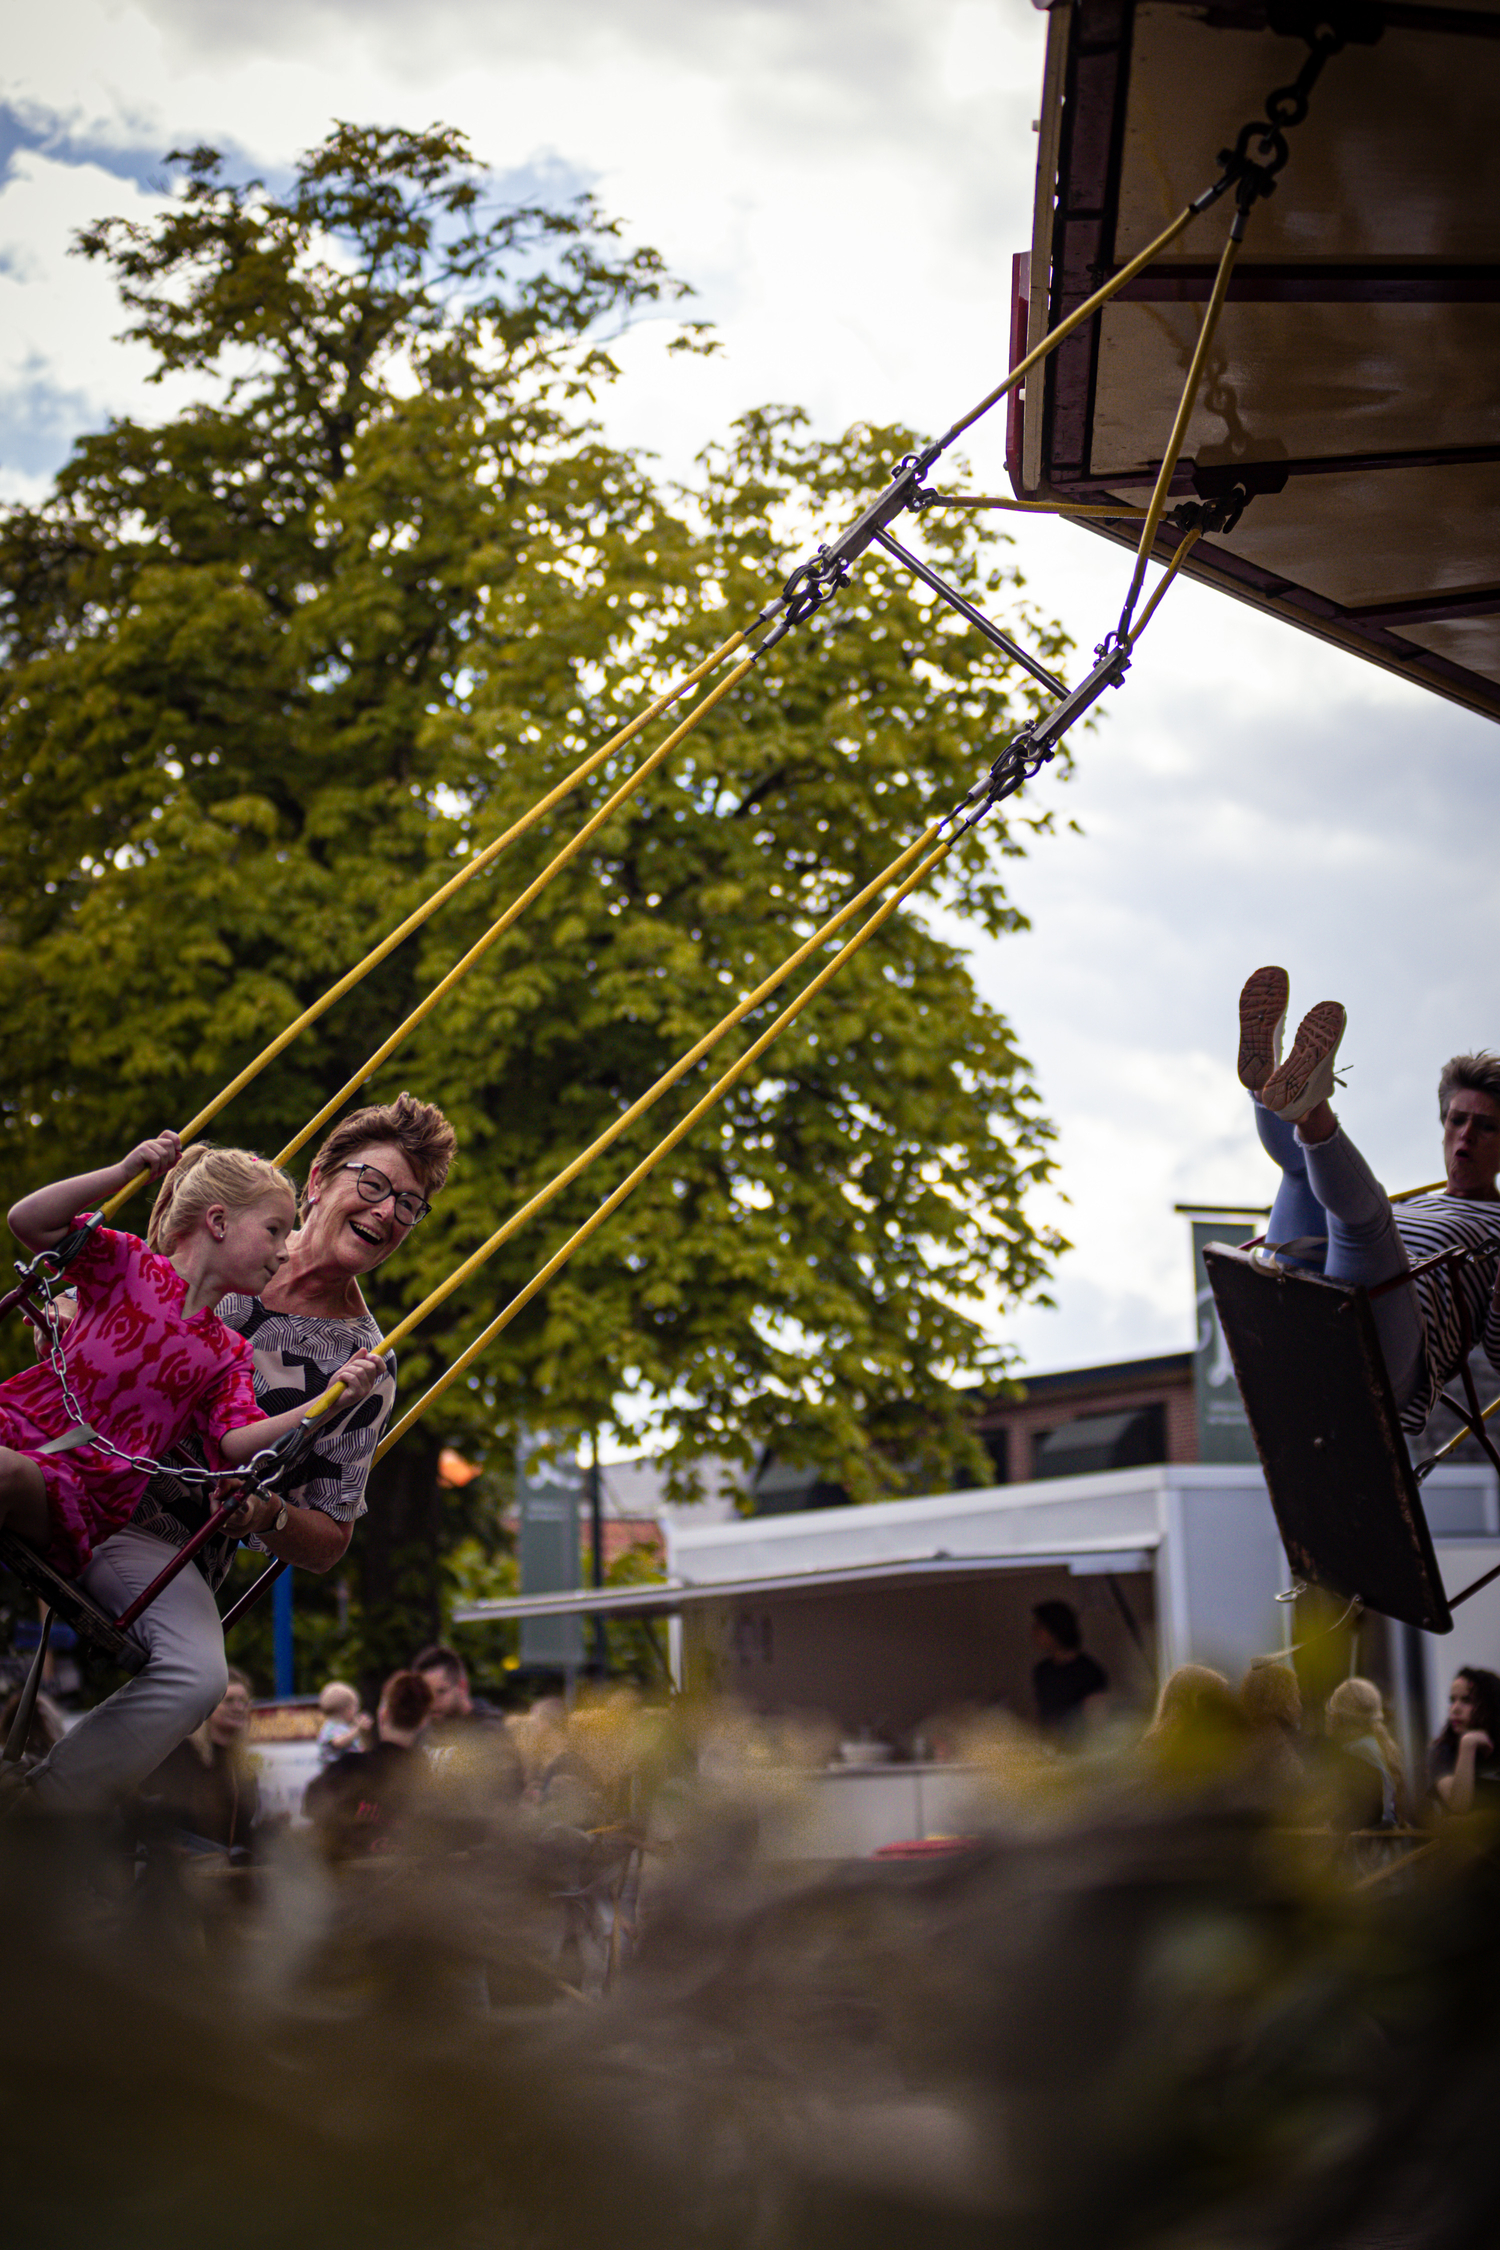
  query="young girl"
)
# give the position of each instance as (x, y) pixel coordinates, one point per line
(147, 1361)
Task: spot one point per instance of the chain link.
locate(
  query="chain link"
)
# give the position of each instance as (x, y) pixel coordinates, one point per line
(57, 1359)
(1326, 34)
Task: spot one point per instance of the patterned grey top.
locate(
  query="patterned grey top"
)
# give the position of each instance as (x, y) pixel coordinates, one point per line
(1426, 1225)
(295, 1355)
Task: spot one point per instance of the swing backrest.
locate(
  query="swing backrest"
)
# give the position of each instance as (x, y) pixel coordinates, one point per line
(1320, 1406)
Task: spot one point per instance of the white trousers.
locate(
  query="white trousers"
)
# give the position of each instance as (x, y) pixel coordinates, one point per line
(122, 1740)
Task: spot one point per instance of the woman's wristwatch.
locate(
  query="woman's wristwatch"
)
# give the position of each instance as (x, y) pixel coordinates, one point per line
(280, 1523)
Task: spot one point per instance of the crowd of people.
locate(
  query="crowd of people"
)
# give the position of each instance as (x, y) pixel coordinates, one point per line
(1341, 1763)
(438, 1765)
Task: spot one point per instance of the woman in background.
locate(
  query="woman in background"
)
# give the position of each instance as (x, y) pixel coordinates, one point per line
(1369, 1760)
(1463, 1762)
(207, 1789)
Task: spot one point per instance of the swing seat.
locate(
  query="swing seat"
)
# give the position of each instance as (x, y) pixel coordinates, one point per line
(70, 1602)
(1323, 1415)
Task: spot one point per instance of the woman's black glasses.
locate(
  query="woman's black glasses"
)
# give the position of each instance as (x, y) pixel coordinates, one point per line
(374, 1187)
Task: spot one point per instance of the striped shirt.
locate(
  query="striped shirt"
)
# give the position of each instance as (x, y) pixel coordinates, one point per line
(1426, 1225)
(295, 1356)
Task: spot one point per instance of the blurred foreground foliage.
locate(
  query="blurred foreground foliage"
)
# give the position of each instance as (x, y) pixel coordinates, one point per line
(272, 666)
(1133, 2012)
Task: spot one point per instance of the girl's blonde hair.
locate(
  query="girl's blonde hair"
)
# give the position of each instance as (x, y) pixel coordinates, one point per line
(1193, 1695)
(203, 1176)
(1356, 1707)
(1270, 1694)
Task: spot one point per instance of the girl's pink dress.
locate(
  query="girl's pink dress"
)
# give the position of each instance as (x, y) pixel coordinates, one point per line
(143, 1377)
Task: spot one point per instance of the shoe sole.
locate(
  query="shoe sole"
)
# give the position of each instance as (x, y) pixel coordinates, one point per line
(1317, 1040)
(1262, 1018)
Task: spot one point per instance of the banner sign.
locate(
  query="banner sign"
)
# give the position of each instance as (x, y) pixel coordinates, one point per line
(548, 1494)
(1223, 1430)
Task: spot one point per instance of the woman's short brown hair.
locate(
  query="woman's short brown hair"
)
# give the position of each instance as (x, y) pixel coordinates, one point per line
(419, 1129)
(406, 1700)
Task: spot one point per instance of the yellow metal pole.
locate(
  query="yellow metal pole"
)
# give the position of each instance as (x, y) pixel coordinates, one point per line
(1123, 514)
(1167, 576)
(514, 911)
(1085, 311)
(1458, 1436)
(414, 920)
(570, 1172)
(648, 1164)
(1183, 416)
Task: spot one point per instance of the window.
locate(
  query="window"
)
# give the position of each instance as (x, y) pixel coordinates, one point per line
(1128, 1439)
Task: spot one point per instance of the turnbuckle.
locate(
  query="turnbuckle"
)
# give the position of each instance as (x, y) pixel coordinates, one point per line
(813, 582)
(1037, 743)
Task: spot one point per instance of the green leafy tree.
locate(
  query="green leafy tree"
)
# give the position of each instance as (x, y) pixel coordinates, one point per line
(274, 665)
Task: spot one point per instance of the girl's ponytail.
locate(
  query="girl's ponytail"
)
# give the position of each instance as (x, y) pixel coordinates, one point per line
(203, 1176)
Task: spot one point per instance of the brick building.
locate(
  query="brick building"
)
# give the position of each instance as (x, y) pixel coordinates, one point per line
(1128, 1415)
(1131, 1414)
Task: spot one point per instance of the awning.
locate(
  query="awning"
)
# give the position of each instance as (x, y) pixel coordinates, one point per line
(1096, 1558)
(1353, 388)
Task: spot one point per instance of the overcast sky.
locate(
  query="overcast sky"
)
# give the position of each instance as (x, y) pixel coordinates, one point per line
(844, 181)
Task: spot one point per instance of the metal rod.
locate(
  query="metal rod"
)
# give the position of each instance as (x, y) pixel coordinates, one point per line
(1123, 1606)
(1088, 308)
(429, 906)
(1125, 513)
(1458, 1438)
(1185, 406)
(252, 1594)
(20, 1295)
(1109, 670)
(976, 617)
(596, 1572)
(1184, 549)
(179, 1562)
(20, 1725)
(1455, 1599)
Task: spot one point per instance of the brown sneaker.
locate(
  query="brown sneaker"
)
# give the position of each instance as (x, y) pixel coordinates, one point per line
(1306, 1077)
(1262, 1021)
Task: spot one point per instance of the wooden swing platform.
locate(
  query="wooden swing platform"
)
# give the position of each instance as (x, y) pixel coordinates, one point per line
(1323, 1415)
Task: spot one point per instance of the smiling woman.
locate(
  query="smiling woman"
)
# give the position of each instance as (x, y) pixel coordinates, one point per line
(369, 1185)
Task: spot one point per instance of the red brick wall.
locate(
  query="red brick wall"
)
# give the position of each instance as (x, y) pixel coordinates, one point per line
(621, 1533)
(1028, 1419)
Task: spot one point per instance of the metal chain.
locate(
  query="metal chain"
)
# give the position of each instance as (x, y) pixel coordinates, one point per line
(1326, 33)
(1326, 30)
(58, 1361)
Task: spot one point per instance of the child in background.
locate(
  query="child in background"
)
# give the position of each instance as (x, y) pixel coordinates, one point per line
(344, 1726)
(147, 1360)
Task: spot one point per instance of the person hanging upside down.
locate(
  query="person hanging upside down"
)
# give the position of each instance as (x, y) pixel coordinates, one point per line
(1332, 1214)
(144, 1356)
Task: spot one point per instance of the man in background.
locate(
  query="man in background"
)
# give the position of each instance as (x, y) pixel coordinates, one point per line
(443, 1670)
(466, 1735)
(1067, 1683)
